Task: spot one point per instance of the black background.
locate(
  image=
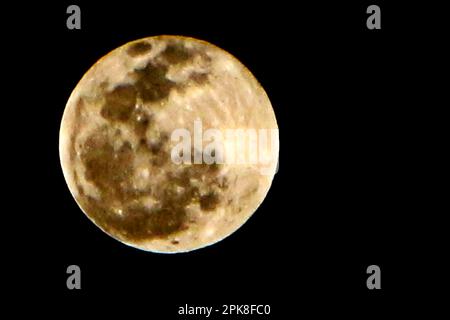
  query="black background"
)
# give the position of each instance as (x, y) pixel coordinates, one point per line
(341, 201)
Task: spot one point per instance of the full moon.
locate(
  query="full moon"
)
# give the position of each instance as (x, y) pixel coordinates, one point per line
(123, 121)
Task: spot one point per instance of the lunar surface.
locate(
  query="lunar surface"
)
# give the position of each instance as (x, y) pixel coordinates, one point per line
(116, 144)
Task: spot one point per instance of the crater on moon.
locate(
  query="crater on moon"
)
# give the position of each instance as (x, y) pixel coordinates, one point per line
(115, 143)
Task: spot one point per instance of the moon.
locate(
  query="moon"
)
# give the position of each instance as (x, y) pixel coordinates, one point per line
(116, 144)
